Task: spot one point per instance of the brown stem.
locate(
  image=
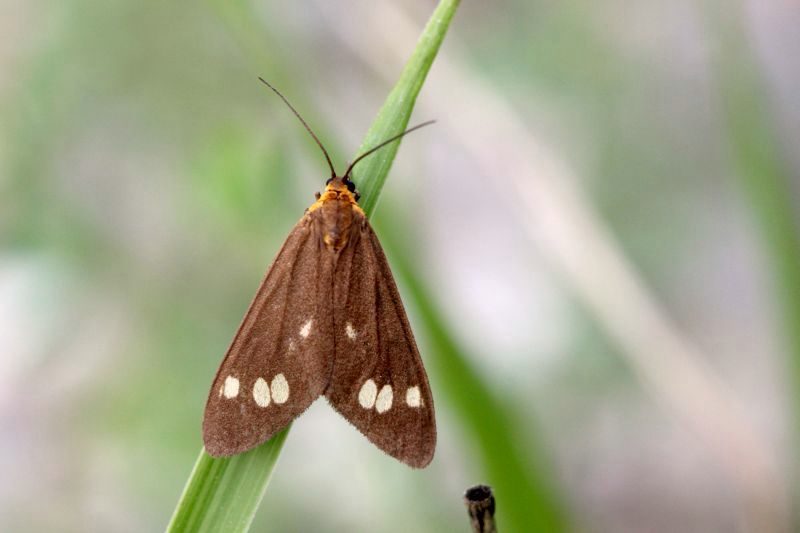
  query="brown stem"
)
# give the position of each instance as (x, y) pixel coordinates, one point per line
(480, 506)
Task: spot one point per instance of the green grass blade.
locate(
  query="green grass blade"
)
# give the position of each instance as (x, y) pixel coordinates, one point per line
(222, 494)
(370, 174)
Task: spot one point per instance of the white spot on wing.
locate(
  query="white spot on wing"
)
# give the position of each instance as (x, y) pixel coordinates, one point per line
(231, 387)
(280, 388)
(306, 329)
(413, 398)
(261, 392)
(367, 394)
(291, 346)
(384, 401)
(351, 333)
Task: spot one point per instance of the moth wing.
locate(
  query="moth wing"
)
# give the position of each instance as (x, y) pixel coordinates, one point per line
(378, 381)
(280, 359)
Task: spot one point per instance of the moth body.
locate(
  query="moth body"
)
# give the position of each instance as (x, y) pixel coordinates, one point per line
(337, 210)
(327, 320)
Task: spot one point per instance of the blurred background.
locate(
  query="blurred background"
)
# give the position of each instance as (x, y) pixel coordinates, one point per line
(597, 245)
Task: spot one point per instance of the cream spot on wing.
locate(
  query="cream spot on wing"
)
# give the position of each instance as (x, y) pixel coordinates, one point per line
(384, 401)
(261, 392)
(280, 389)
(291, 346)
(231, 387)
(367, 394)
(351, 332)
(413, 398)
(306, 329)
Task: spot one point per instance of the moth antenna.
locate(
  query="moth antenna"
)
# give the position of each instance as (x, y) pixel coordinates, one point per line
(308, 128)
(384, 143)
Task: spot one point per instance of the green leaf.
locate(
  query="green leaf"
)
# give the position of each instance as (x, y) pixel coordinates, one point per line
(222, 494)
(370, 174)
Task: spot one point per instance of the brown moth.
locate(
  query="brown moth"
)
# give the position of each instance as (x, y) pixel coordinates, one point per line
(326, 320)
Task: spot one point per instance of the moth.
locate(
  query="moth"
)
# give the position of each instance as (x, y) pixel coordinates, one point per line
(327, 320)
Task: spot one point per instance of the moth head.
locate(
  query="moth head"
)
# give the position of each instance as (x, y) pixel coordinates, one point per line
(341, 184)
(351, 187)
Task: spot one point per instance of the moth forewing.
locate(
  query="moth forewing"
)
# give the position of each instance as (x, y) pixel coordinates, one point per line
(279, 361)
(378, 382)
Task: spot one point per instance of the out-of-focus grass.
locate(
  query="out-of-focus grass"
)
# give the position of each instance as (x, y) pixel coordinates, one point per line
(763, 173)
(517, 467)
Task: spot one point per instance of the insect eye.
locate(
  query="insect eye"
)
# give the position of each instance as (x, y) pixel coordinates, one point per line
(351, 186)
